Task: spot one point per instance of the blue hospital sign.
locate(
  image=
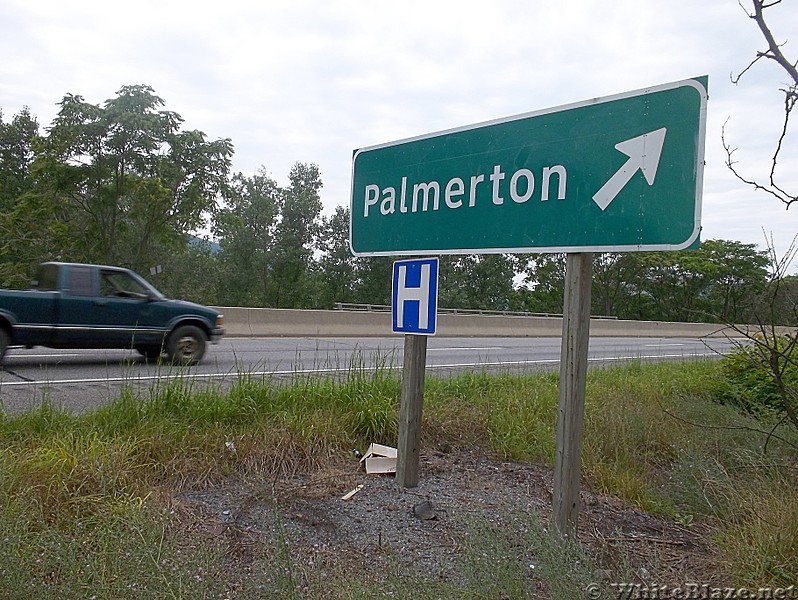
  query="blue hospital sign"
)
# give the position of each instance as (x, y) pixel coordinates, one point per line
(415, 296)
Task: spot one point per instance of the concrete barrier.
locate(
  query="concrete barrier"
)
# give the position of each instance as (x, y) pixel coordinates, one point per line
(277, 322)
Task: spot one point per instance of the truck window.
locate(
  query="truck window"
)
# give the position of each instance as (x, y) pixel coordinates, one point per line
(47, 278)
(121, 285)
(80, 281)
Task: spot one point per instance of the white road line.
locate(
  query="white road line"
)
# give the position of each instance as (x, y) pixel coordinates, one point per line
(661, 345)
(517, 363)
(464, 348)
(63, 355)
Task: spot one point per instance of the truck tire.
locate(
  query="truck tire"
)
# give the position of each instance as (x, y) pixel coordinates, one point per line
(187, 345)
(5, 339)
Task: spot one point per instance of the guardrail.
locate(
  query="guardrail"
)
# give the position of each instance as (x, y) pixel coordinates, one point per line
(277, 322)
(457, 311)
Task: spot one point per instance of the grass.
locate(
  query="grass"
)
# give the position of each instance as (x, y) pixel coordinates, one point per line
(85, 499)
(119, 552)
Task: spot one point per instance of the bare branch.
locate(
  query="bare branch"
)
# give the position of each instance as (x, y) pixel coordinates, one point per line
(773, 52)
(769, 434)
(790, 97)
(736, 79)
(773, 190)
(772, 431)
(783, 263)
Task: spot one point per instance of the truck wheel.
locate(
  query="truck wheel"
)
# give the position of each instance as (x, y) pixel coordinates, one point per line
(187, 345)
(4, 341)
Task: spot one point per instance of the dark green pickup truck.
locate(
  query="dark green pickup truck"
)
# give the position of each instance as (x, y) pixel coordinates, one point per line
(92, 306)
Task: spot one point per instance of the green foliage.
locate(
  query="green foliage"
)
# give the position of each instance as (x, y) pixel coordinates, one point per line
(758, 376)
(762, 377)
(373, 284)
(17, 141)
(192, 273)
(245, 228)
(476, 281)
(337, 268)
(779, 303)
(268, 236)
(544, 283)
(22, 219)
(614, 292)
(122, 174)
(720, 281)
(294, 239)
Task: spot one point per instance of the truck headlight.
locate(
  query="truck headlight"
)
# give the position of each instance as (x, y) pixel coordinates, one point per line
(219, 320)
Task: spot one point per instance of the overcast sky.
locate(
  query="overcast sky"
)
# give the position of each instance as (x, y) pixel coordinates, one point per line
(300, 81)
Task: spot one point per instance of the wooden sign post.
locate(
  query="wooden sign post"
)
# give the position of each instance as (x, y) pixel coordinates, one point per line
(407, 458)
(571, 399)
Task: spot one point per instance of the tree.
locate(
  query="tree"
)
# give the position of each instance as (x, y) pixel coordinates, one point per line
(17, 140)
(476, 281)
(373, 279)
(773, 53)
(22, 220)
(772, 350)
(543, 284)
(295, 238)
(616, 284)
(718, 282)
(337, 266)
(740, 275)
(781, 301)
(192, 273)
(272, 240)
(769, 350)
(245, 227)
(127, 177)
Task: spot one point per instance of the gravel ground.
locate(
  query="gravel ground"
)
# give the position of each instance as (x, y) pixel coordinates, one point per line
(423, 531)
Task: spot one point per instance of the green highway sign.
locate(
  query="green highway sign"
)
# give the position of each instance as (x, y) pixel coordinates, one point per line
(614, 174)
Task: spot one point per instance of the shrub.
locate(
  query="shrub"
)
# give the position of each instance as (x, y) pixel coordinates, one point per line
(752, 374)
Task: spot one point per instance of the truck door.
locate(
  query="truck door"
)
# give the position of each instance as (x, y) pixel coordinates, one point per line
(77, 308)
(127, 309)
(103, 308)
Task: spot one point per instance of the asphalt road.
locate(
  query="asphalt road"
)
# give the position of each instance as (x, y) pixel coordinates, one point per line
(85, 379)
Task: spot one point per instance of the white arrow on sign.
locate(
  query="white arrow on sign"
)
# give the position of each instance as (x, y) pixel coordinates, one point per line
(643, 152)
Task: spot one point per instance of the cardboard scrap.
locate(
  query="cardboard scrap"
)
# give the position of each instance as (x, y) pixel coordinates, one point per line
(348, 495)
(380, 464)
(380, 459)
